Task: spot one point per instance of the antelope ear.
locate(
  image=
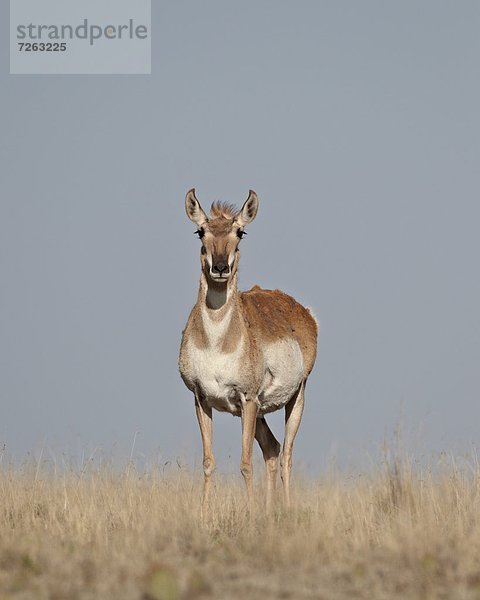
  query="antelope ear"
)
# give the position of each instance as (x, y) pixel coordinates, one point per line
(194, 210)
(249, 209)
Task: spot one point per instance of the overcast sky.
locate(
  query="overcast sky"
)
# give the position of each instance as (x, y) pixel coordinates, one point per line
(358, 125)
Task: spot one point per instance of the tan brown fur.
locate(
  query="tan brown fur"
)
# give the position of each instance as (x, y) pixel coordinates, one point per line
(196, 329)
(222, 210)
(247, 353)
(272, 315)
(233, 335)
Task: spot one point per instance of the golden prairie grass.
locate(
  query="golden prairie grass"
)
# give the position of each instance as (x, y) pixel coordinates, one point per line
(392, 532)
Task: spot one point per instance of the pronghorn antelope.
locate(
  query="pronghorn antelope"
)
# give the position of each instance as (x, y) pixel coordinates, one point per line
(246, 353)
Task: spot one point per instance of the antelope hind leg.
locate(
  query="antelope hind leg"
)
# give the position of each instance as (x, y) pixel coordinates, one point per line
(293, 416)
(270, 449)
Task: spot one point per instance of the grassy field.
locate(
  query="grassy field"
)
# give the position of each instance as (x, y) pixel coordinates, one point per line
(394, 532)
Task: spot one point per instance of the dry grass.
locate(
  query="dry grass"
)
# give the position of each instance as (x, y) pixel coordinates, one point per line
(391, 533)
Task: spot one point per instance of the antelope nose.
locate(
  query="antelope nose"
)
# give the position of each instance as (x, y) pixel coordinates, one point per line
(220, 268)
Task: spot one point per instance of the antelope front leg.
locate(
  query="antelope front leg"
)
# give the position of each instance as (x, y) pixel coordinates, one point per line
(293, 416)
(249, 418)
(204, 416)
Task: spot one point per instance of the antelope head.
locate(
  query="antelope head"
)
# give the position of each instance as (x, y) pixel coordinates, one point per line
(220, 234)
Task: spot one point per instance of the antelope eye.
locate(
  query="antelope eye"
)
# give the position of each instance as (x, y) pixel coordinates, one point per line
(200, 233)
(241, 233)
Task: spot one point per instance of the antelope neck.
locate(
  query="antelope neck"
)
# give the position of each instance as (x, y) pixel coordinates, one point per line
(218, 296)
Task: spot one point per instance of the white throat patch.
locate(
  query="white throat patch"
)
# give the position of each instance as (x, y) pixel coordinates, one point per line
(216, 330)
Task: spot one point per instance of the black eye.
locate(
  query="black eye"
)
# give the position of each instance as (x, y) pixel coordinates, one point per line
(241, 233)
(200, 232)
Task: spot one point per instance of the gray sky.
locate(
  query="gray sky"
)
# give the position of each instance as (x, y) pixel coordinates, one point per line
(358, 125)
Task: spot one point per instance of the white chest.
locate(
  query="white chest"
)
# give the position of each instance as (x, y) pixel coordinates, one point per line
(216, 373)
